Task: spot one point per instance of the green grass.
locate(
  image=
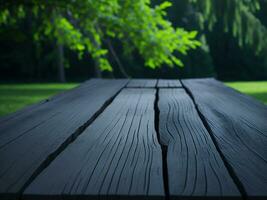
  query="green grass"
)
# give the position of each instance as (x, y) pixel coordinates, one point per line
(257, 89)
(16, 96)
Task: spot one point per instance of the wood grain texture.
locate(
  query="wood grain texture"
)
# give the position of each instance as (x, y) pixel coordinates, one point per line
(169, 83)
(29, 138)
(239, 126)
(117, 156)
(195, 168)
(142, 83)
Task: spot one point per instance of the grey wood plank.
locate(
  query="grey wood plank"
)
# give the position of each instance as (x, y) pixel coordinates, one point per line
(117, 156)
(169, 83)
(195, 168)
(29, 139)
(142, 83)
(239, 127)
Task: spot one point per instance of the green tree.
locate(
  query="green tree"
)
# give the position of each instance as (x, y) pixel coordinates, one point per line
(235, 31)
(238, 18)
(229, 24)
(84, 25)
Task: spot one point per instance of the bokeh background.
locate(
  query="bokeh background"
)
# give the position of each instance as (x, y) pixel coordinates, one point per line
(232, 33)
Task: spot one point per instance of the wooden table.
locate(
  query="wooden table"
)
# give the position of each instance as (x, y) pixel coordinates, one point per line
(137, 139)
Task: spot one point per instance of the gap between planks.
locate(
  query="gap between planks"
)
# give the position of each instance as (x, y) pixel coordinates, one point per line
(137, 110)
(80, 130)
(230, 170)
(164, 148)
(50, 158)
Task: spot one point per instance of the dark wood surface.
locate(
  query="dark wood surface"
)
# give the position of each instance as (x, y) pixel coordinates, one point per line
(169, 83)
(118, 154)
(195, 168)
(142, 83)
(137, 139)
(29, 138)
(239, 127)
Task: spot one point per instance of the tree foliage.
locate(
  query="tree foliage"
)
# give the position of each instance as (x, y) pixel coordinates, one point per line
(238, 17)
(84, 25)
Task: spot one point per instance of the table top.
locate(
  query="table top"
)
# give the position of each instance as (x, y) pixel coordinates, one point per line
(137, 139)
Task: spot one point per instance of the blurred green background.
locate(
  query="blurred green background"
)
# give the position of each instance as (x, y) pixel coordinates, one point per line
(72, 41)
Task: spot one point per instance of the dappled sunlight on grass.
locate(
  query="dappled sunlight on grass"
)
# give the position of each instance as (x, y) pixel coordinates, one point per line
(257, 89)
(16, 96)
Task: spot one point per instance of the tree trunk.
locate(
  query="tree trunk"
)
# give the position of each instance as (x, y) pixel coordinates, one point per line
(114, 54)
(61, 69)
(98, 73)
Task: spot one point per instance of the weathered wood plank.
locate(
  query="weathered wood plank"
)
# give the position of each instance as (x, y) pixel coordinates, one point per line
(28, 139)
(142, 83)
(168, 83)
(239, 126)
(195, 168)
(117, 156)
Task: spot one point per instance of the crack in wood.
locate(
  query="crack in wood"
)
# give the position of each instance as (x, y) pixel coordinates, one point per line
(230, 170)
(164, 148)
(65, 144)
